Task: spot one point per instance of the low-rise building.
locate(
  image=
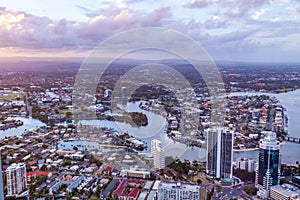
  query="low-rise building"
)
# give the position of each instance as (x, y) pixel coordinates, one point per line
(178, 191)
(135, 173)
(249, 165)
(284, 192)
(128, 189)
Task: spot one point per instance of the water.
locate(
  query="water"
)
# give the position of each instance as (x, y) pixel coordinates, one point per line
(291, 101)
(154, 130)
(290, 152)
(28, 124)
(81, 145)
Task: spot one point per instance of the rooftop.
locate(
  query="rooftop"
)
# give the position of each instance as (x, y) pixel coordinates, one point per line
(286, 190)
(178, 186)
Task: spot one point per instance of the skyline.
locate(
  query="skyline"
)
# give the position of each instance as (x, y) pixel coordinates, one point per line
(255, 30)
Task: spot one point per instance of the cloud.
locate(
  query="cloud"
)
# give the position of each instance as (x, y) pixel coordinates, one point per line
(105, 25)
(259, 13)
(215, 22)
(233, 36)
(275, 28)
(241, 8)
(230, 27)
(19, 29)
(196, 4)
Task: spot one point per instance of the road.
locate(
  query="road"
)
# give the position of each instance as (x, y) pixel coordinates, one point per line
(227, 193)
(109, 188)
(270, 120)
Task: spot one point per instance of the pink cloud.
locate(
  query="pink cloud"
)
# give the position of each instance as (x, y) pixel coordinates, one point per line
(196, 4)
(19, 29)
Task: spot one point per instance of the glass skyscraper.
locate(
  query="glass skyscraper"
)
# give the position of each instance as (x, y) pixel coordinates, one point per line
(219, 153)
(268, 171)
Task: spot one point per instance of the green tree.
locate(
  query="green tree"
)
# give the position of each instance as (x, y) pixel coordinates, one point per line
(169, 160)
(251, 190)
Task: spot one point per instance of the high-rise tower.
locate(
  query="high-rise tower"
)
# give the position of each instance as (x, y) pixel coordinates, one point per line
(16, 178)
(1, 180)
(268, 171)
(158, 154)
(219, 153)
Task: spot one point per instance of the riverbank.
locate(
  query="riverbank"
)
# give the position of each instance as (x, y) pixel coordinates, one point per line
(28, 124)
(291, 102)
(243, 150)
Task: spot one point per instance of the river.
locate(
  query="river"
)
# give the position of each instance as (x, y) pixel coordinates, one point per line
(290, 152)
(157, 124)
(154, 130)
(28, 124)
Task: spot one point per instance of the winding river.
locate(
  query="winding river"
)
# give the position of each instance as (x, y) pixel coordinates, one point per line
(290, 152)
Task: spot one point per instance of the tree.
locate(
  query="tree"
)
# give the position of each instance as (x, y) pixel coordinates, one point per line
(28, 168)
(244, 175)
(169, 160)
(75, 192)
(210, 194)
(199, 181)
(218, 188)
(251, 190)
(284, 180)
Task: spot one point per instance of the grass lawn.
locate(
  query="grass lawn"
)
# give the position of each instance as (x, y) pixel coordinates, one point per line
(202, 177)
(285, 90)
(63, 112)
(11, 96)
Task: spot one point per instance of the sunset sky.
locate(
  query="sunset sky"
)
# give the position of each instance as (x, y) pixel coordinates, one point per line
(235, 30)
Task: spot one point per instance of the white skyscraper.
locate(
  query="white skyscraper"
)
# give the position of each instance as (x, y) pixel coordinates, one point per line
(124, 92)
(158, 154)
(219, 153)
(16, 178)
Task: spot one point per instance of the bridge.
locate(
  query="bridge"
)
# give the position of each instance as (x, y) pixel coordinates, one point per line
(292, 139)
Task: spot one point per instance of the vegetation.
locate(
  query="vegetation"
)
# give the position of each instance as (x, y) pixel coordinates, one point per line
(95, 160)
(210, 194)
(139, 119)
(169, 160)
(181, 167)
(287, 170)
(244, 175)
(251, 190)
(12, 96)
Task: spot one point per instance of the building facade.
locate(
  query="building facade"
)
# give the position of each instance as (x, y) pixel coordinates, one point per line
(158, 154)
(178, 191)
(249, 165)
(284, 192)
(219, 153)
(16, 178)
(1, 180)
(268, 171)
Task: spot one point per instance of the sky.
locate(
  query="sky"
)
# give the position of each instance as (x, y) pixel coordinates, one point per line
(232, 30)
